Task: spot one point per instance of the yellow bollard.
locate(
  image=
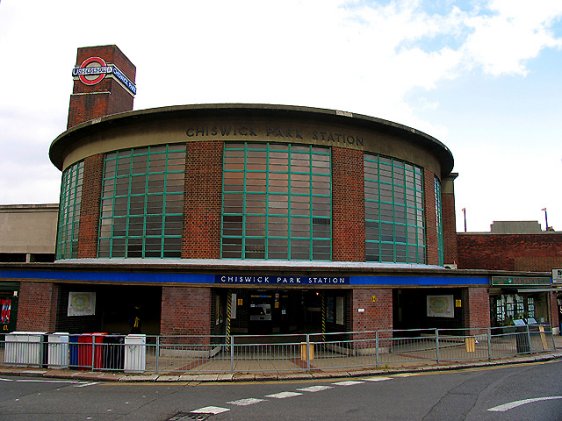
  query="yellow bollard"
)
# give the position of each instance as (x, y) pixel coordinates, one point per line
(310, 351)
(470, 344)
(543, 338)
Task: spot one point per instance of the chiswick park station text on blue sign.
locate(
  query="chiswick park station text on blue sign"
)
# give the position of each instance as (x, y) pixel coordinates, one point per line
(281, 280)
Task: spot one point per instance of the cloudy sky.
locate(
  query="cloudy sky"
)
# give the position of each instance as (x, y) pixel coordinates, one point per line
(482, 76)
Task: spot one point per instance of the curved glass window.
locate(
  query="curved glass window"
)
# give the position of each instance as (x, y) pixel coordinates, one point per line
(142, 202)
(394, 211)
(439, 221)
(69, 211)
(277, 202)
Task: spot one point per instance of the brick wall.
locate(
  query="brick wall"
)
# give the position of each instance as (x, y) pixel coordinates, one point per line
(555, 316)
(377, 315)
(106, 97)
(185, 311)
(203, 201)
(449, 219)
(90, 207)
(520, 252)
(37, 306)
(477, 310)
(431, 237)
(348, 209)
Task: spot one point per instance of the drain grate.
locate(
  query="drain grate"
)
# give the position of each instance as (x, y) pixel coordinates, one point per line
(190, 416)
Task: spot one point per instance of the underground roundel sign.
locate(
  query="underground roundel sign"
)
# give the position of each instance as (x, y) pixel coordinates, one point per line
(92, 70)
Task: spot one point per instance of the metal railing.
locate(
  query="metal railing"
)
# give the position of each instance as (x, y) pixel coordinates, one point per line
(190, 354)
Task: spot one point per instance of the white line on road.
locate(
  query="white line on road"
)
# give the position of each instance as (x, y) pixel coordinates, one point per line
(315, 388)
(86, 384)
(210, 410)
(283, 395)
(348, 383)
(39, 381)
(515, 404)
(247, 401)
(376, 379)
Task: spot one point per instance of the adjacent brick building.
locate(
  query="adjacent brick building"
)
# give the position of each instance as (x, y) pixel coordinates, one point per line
(519, 247)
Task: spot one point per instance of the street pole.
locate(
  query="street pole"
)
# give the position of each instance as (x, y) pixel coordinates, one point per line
(545, 219)
(464, 217)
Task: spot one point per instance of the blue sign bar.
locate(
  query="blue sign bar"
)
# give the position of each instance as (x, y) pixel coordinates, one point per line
(165, 277)
(281, 280)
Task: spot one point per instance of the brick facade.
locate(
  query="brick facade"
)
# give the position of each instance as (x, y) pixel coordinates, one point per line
(37, 307)
(555, 315)
(203, 201)
(90, 207)
(377, 312)
(348, 205)
(106, 97)
(431, 236)
(477, 310)
(519, 252)
(185, 311)
(449, 219)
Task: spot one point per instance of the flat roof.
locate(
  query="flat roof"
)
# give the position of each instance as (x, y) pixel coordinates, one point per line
(58, 148)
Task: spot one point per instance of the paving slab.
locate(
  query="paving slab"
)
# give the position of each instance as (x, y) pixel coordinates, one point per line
(168, 379)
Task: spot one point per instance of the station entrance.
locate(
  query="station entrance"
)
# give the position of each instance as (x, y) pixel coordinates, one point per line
(266, 312)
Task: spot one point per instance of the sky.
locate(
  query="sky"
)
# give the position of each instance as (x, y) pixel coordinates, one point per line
(483, 76)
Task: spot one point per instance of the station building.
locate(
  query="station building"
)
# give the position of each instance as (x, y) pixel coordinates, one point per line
(222, 219)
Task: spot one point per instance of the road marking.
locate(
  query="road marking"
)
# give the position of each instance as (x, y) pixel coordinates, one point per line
(315, 388)
(41, 381)
(86, 384)
(283, 395)
(515, 404)
(247, 401)
(376, 379)
(210, 410)
(348, 383)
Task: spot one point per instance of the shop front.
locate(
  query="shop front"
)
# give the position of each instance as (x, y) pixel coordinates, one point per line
(520, 299)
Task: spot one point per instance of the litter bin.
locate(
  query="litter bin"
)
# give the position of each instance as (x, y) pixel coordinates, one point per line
(58, 354)
(135, 353)
(522, 337)
(88, 357)
(25, 348)
(113, 352)
(73, 351)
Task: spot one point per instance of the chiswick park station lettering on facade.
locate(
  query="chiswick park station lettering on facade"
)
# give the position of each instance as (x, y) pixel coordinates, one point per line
(274, 132)
(281, 280)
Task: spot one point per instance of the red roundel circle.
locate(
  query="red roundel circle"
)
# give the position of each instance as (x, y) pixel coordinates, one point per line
(92, 62)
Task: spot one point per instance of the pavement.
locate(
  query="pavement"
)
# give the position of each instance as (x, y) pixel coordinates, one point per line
(325, 372)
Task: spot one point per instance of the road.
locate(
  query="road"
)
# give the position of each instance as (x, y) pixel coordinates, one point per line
(517, 392)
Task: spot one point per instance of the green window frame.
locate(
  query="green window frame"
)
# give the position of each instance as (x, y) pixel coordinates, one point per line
(277, 202)
(394, 211)
(439, 222)
(69, 212)
(142, 203)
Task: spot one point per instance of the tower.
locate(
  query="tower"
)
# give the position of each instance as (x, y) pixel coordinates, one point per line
(104, 84)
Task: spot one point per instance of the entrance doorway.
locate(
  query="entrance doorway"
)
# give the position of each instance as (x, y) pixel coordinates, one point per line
(265, 312)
